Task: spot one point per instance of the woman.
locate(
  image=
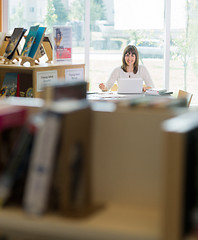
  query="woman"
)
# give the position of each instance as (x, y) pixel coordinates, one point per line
(130, 69)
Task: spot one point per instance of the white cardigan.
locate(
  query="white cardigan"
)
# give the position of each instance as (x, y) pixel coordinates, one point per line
(119, 73)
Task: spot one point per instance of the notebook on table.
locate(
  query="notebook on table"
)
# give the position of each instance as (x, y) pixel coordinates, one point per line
(130, 85)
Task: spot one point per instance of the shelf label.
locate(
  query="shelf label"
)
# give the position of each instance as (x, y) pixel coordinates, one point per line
(46, 78)
(74, 74)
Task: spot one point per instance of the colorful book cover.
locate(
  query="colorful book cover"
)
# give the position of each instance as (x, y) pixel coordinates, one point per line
(29, 40)
(37, 41)
(10, 84)
(13, 43)
(62, 43)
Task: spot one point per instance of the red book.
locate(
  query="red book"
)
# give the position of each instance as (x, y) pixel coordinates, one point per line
(12, 116)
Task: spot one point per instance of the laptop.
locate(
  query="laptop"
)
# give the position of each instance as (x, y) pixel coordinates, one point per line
(130, 85)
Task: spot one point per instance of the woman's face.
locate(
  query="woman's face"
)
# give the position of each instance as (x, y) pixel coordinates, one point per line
(130, 59)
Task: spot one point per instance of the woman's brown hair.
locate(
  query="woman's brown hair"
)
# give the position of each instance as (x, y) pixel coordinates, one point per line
(133, 50)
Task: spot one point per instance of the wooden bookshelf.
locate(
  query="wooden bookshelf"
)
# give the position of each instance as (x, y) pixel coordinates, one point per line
(59, 68)
(128, 176)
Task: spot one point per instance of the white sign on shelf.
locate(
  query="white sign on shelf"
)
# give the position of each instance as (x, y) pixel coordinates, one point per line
(46, 78)
(74, 74)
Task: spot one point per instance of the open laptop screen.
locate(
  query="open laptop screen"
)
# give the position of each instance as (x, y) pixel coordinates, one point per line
(130, 85)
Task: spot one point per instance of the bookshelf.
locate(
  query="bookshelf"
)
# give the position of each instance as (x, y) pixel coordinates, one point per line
(128, 180)
(57, 68)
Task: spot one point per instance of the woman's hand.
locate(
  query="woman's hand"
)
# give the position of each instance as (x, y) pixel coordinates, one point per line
(145, 88)
(102, 87)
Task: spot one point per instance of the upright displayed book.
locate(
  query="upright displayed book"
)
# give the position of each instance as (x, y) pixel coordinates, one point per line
(32, 46)
(13, 43)
(62, 43)
(29, 40)
(47, 45)
(36, 45)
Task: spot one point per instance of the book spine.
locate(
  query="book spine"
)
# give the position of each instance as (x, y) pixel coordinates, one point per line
(41, 165)
(18, 86)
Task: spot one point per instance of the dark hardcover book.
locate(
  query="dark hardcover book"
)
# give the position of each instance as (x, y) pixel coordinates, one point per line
(12, 119)
(67, 90)
(13, 42)
(37, 42)
(10, 84)
(29, 40)
(12, 180)
(25, 85)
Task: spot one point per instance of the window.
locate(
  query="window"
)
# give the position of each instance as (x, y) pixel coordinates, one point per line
(119, 23)
(184, 47)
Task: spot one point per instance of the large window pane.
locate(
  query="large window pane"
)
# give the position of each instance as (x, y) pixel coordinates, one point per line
(114, 24)
(184, 47)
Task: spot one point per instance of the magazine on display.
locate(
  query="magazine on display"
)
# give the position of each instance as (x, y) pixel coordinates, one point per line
(62, 43)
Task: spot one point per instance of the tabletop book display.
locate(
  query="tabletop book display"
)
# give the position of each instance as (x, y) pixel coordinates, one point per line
(32, 49)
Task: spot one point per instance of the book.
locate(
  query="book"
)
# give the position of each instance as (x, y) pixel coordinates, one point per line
(25, 85)
(41, 164)
(10, 84)
(12, 119)
(47, 45)
(12, 179)
(62, 43)
(13, 42)
(38, 39)
(66, 90)
(29, 40)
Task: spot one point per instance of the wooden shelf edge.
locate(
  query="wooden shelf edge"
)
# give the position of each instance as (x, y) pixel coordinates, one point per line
(114, 222)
